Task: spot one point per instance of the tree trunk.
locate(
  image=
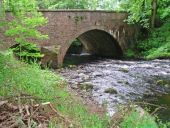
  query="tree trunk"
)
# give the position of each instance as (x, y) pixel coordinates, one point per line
(154, 12)
(1, 10)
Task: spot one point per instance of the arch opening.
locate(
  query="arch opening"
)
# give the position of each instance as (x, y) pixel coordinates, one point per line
(91, 46)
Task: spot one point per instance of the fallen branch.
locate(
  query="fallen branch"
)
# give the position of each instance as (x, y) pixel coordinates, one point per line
(155, 111)
(3, 102)
(150, 104)
(28, 113)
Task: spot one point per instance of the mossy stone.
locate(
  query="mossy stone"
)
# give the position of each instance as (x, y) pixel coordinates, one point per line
(125, 70)
(111, 91)
(163, 82)
(86, 86)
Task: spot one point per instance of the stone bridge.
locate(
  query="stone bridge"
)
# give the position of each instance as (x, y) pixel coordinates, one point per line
(102, 33)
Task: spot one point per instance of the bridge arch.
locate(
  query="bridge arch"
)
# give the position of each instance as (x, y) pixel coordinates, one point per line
(66, 25)
(97, 42)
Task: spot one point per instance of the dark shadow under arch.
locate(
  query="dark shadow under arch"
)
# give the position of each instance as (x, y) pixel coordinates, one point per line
(101, 43)
(97, 43)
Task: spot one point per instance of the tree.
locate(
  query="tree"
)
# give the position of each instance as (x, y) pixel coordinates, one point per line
(63, 4)
(163, 9)
(145, 12)
(139, 11)
(78, 4)
(1, 9)
(154, 12)
(23, 27)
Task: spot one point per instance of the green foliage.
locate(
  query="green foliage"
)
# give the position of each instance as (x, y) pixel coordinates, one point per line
(76, 42)
(130, 53)
(139, 11)
(1, 10)
(64, 4)
(161, 52)
(23, 27)
(78, 4)
(136, 120)
(102, 5)
(158, 43)
(164, 125)
(28, 52)
(164, 9)
(44, 4)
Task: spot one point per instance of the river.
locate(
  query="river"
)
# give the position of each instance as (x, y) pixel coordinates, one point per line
(116, 82)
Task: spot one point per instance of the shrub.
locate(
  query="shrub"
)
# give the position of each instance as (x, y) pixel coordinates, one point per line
(158, 43)
(136, 120)
(130, 53)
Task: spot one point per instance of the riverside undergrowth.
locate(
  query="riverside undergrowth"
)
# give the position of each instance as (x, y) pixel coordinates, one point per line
(157, 45)
(19, 78)
(139, 118)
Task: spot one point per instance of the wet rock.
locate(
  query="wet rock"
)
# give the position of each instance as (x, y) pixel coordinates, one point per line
(126, 83)
(86, 86)
(120, 81)
(96, 88)
(167, 85)
(74, 87)
(96, 74)
(111, 91)
(123, 82)
(72, 66)
(83, 77)
(163, 83)
(125, 70)
(159, 82)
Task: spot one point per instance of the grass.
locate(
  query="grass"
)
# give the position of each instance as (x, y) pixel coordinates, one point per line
(140, 118)
(136, 120)
(17, 77)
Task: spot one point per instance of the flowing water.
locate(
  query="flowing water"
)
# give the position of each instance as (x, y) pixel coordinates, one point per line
(115, 82)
